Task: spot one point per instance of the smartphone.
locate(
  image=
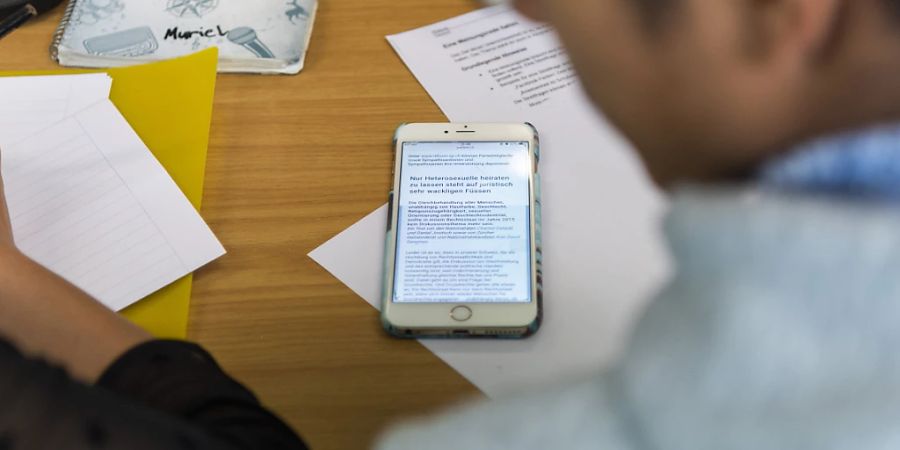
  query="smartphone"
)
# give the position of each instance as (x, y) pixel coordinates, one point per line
(463, 245)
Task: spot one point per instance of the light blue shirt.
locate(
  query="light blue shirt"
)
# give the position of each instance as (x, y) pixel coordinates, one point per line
(856, 164)
(780, 329)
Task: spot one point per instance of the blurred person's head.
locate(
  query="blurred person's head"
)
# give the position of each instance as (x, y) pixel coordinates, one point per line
(706, 89)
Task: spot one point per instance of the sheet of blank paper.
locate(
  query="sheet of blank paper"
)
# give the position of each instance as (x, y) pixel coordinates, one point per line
(89, 201)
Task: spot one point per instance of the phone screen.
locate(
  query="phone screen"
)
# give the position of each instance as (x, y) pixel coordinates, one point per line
(464, 223)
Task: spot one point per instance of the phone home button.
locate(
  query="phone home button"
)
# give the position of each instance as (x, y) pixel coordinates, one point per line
(461, 313)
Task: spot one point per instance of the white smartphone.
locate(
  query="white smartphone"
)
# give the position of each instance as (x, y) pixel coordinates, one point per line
(463, 250)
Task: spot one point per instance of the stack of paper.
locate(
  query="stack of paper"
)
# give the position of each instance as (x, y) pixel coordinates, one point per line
(86, 197)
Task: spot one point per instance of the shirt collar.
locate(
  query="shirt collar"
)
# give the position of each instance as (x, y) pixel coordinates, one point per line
(862, 163)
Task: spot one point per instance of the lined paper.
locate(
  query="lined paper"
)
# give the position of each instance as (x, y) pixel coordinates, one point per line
(31, 104)
(89, 201)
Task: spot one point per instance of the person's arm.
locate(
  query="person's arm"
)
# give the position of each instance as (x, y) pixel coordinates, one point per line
(49, 317)
(148, 394)
(160, 395)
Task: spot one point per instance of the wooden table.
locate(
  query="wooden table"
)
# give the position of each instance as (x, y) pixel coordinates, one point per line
(292, 162)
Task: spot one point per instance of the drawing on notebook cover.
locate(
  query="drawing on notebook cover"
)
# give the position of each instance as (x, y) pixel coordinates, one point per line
(128, 43)
(263, 36)
(296, 11)
(197, 8)
(247, 38)
(91, 12)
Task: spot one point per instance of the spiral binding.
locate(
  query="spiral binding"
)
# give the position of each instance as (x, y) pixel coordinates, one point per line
(61, 30)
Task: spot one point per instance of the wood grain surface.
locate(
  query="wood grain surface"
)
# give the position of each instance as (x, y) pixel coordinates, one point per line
(293, 161)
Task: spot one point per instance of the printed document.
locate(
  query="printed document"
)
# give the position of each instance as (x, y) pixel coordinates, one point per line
(603, 252)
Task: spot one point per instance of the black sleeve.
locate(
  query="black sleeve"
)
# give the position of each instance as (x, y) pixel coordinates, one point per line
(160, 395)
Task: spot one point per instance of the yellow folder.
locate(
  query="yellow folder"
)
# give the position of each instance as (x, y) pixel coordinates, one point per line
(169, 105)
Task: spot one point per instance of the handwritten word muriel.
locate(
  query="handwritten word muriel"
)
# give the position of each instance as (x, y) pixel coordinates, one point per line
(176, 34)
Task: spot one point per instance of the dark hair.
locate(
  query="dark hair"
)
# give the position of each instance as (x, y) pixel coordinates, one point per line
(894, 7)
(653, 10)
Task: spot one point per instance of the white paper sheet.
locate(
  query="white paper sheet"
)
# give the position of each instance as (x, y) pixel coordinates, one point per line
(89, 201)
(31, 104)
(603, 253)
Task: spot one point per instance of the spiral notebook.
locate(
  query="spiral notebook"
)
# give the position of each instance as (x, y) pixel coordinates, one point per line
(262, 36)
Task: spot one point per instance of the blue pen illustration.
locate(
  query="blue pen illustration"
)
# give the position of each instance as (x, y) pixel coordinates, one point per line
(197, 8)
(90, 12)
(123, 44)
(296, 11)
(246, 37)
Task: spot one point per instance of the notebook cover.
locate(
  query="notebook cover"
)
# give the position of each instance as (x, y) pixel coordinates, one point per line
(169, 105)
(263, 36)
